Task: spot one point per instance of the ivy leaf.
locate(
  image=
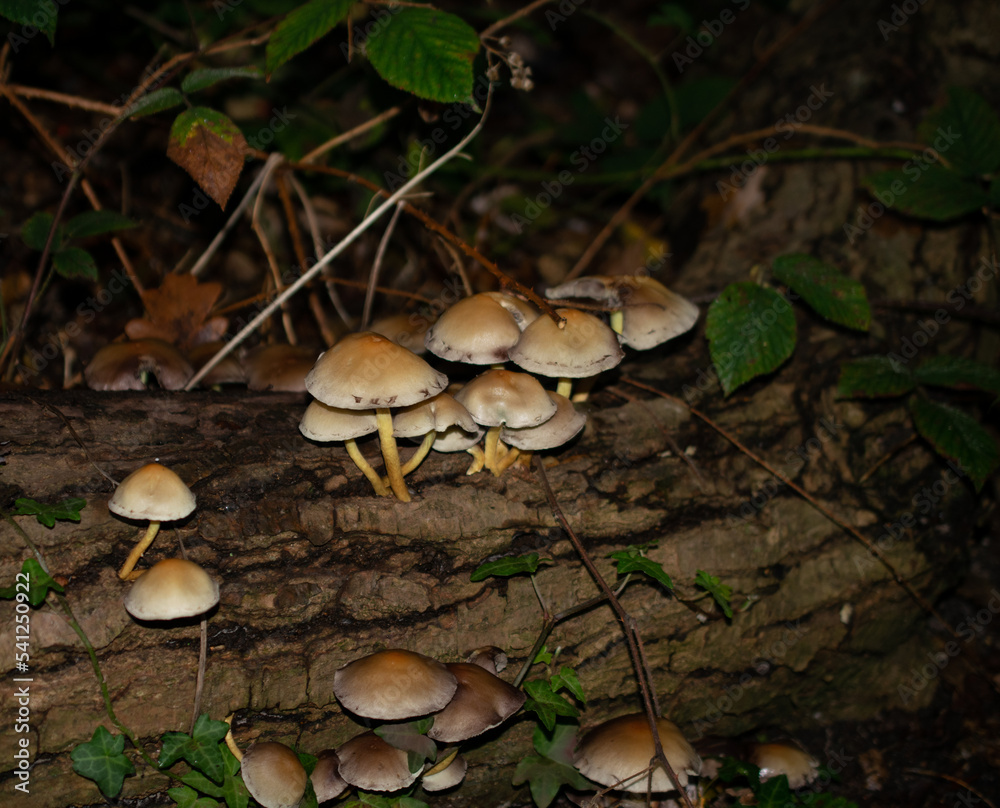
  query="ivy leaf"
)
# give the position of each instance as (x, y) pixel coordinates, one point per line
(632, 560)
(39, 584)
(716, 589)
(567, 678)
(35, 231)
(966, 130)
(543, 657)
(68, 510)
(831, 293)
(546, 703)
(774, 793)
(200, 749)
(301, 28)
(205, 77)
(505, 567)
(211, 148)
(874, 377)
(426, 52)
(156, 101)
(957, 436)
(102, 760)
(937, 193)
(75, 262)
(200, 783)
(95, 222)
(187, 797)
(40, 14)
(545, 777)
(751, 331)
(959, 373)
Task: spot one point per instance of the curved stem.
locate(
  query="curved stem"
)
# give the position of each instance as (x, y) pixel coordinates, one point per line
(422, 451)
(200, 683)
(478, 460)
(508, 460)
(390, 454)
(138, 550)
(490, 447)
(365, 466)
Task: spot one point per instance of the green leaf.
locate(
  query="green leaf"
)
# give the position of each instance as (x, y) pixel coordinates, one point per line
(156, 101)
(201, 749)
(95, 222)
(957, 436)
(751, 331)
(426, 52)
(545, 777)
(301, 28)
(102, 760)
(205, 77)
(935, 193)
(39, 583)
(557, 744)
(366, 800)
(35, 231)
(832, 294)
(199, 782)
(505, 567)
(546, 703)
(733, 769)
(632, 560)
(958, 372)
(187, 797)
(567, 678)
(211, 148)
(774, 793)
(75, 262)
(40, 14)
(543, 657)
(966, 131)
(671, 15)
(716, 589)
(67, 510)
(874, 376)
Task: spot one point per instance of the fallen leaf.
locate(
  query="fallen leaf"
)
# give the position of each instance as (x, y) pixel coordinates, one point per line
(179, 313)
(211, 148)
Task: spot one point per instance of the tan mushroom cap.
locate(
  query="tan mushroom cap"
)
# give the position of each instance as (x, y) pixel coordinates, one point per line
(503, 397)
(456, 439)
(322, 422)
(152, 492)
(774, 759)
(524, 313)
(613, 754)
(172, 589)
(406, 330)
(448, 777)
(326, 779)
(372, 764)
(229, 370)
(477, 330)
(273, 775)
(280, 368)
(365, 371)
(490, 657)
(120, 365)
(433, 415)
(393, 685)
(481, 702)
(556, 431)
(585, 347)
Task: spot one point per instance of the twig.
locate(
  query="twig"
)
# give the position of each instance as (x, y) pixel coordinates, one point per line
(952, 779)
(323, 148)
(272, 261)
(366, 312)
(521, 12)
(56, 411)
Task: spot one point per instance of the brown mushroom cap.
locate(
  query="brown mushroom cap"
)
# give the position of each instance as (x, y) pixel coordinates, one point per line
(273, 775)
(372, 764)
(433, 415)
(393, 685)
(279, 368)
(326, 779)
(120, 365)
(477, 330)
(774, 759)
(322, 422)
(365, 371)
(481, 702)
(613, 754)
(406, 330)
(152, 492)
(584, 347)
(524, 313)
(172, 589)
(490, 657)
(556, 431)
(503, 397)
(228, 371)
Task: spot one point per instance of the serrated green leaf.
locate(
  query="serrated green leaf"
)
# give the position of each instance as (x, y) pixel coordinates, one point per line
(301, 28)
(505, 567)
(546, 703)
(187, 797)
(35, 231)
(201, 749)
(718, 590)
(874, 377)
(67, 510)
(831, 293)
(958, 372)
(40, 14)
(751, 331)
(39, 583)
(156, 101)
(75, 262)
(95, 222)
(102, 760)
(957, 436)
(966, 131)
(426, 52)
(545, 777)
(207, 76)
(567, 678)
(632, 560)
(936, 194)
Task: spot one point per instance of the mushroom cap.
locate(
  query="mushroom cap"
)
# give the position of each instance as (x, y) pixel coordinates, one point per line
(273, 775)
(522, 311)
(406, 330)
(119, 366)
(451, 775)
(490, 657)
(556, 431)
(613, 754)
(279, 368)
(481, 702)
(325, 423)
(152, 492)
(394, 684)
(456, 439)
(584, 347)
(229, 370)
(477, 330)
(499, 397)
(171, 589)
(326, 779)
(774, 759)
(433, 415)
(372, 764)
(365, 371)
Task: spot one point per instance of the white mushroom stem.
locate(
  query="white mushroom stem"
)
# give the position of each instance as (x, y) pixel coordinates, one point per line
(365, 466)
(390, 454)
(138, 550)
(565, 387)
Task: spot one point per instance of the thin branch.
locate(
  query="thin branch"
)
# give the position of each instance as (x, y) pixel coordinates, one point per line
(383, 245)
(521, 12)
(323, 148)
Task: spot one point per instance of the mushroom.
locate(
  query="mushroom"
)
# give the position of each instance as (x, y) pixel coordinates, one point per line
(326, 779)
(477, 330)
(406, 330)
(774, 759)
(618, 753)
(372, 764)
(153, 493)
(279, 368)
(489, 657)
(273, 775)
(368, 372)
(481, 702)
(447, 773)
(429, 420)
(394, 684)
(229, 371)
(323, 423)
(124, 366)
(557, 430)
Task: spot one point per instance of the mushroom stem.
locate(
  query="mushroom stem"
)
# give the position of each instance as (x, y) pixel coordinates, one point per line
(490, 447)
(507, 461)
(138, 550)
(365, 466)
(565, 387)
(422, 451)
(617, 320)
(390, 454)
(200, 682)
(231, 742)
(478, 460)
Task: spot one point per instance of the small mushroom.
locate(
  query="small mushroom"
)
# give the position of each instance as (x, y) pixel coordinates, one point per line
(477, 330)
(774, 759)
(273, 775)
(393, 685)
(429, 420)
(372, 764)
(326, 779)
(172, 589)
(125, 365)
(481, 702)
(557, 430)
(279, 368)
(447, 773)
